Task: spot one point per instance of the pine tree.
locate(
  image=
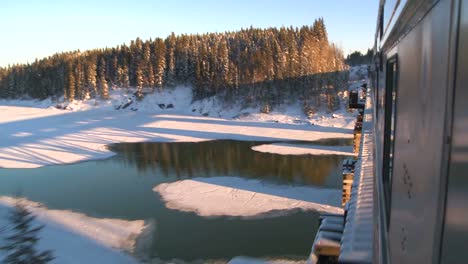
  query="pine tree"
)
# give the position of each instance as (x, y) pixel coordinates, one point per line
(103, 87)
(124, 79)
(91, 87)
(170, 72)
(3, 73)
(139, 82)
(223, 64)
(181, 57)
(114, 70)
(70, 83)
(160, 62)
(11, 90)
(150, 75)
(79, 81)
(321, 34)
(293, 58)
(21, 245)
(147, 68)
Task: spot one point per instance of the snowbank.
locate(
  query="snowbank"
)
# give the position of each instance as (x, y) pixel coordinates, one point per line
(359, 72)
(238, 197)
(304, 149)
(77, 238)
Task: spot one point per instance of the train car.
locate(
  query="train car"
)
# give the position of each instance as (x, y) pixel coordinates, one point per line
(409, 196)
(420, 132)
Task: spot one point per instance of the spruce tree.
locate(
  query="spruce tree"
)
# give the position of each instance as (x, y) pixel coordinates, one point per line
(139, 82)
(91, 87)
(11, 90)
(160, 62)
(79, 81)
(103, 86)
(21, 244)
(150, 75)
(170, 60)
(70, 84)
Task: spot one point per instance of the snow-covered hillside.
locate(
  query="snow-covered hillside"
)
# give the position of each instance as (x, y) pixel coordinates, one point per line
(179, 100)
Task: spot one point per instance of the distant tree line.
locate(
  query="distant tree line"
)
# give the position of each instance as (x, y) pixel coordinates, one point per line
(357, 58)
(255, 65)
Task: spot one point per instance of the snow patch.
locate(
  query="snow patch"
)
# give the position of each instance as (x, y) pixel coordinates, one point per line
(77, 238)
(304, 149)
(359, 72)
(238, 197)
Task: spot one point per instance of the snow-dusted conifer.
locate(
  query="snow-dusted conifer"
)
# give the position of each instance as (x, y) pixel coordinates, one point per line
(20, 243)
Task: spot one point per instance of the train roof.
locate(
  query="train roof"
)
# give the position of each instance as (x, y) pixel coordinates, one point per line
(396, 18)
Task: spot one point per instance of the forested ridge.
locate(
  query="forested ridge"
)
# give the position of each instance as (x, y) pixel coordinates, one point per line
(357, 58)
(265, 66)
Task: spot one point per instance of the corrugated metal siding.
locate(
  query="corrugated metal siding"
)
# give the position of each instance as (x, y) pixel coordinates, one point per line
(357, 239)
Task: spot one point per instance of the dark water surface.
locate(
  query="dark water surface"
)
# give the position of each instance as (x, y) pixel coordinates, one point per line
(121, 187)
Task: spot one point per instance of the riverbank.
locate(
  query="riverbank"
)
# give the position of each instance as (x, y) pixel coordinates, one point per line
(36, 134)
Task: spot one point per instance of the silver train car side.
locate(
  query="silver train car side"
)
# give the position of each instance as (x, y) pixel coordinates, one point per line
(420, 95)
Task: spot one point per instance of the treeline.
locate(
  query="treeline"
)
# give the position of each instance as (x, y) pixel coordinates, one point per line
(257, 65)
(357, 58)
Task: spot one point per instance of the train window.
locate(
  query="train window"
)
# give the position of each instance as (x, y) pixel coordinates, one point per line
(378, 73)
(389, 10)
(389, 129)
(381, 27)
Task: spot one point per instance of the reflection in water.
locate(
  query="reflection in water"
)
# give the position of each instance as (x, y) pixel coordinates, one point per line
(122, 187)
(233, 158)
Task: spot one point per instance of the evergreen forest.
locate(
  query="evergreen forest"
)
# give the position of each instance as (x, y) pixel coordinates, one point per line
(258, 66)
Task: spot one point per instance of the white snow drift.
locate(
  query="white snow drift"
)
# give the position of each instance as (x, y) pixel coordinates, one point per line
(303, 149)
(77, 238)
(238, 197)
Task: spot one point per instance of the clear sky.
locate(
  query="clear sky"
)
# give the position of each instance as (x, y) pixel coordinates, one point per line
(38, 28)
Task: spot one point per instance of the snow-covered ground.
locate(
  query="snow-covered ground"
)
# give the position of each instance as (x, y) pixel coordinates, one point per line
(358, 76)
(34, 135)
(233, 196)
(77, 238)
(304, 149)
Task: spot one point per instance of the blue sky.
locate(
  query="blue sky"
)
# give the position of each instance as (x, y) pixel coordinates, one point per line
(35, 29)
